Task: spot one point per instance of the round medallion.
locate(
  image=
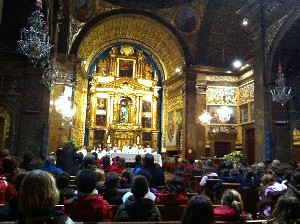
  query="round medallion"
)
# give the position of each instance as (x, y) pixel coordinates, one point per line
(186, 20)
(82, 10)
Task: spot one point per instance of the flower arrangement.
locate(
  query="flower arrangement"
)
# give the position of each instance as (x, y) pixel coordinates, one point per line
(234, 156)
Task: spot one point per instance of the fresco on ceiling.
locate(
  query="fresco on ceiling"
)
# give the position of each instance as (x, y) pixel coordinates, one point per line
(82, 9)
(186, 20)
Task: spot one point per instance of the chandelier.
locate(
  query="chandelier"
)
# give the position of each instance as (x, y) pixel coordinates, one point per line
(281, 93)
(224, 113)
(205, 118)
(64, 104)
(34, 42)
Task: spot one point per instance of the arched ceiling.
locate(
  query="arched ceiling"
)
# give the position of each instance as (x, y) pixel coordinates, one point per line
(136, 29)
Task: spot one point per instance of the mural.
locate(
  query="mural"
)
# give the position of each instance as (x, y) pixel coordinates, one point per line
(82, 9)
(221, 96)
(186, 20)
(173, 128)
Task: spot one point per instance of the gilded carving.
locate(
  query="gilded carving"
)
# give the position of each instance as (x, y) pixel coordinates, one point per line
(246, 93)
(144, 31)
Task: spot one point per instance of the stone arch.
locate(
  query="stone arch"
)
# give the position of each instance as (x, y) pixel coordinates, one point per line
(284, 27)
(139, 29)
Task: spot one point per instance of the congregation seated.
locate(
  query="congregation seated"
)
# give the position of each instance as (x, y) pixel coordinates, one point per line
(67, 160)
(286, 210)
(231, 208)
(89, 162)
(158, 177)
(137, 207)
(119, 166)
(50, 165)
(7, 179)
(110, 191)
(294, 186)
(63, 186)
(190, 167)
(10, 211)
(198, 210)
(269, 192)
(27, 163)
(37, 200)
(173, 194)
(100, 178)
(126, 179)
(88, 205)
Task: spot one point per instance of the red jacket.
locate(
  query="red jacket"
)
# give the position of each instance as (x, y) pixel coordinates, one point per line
(225, 213)
(92, 208)
(7, 191)
(171, 199)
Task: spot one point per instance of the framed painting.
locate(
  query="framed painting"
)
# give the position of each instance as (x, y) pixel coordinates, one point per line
(101, 103)
(82, 10)
(100, 120)
(126, 68)
(186, 20)
(146, 122)
(244, 113)
(146, 106)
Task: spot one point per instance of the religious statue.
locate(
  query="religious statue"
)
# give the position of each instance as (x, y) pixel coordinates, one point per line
(124, 113)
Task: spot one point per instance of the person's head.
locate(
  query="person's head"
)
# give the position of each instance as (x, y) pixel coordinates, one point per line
(267, 179)
(175, 185)
(149, 160)
(86, 181)
(62, 180)
(209, 163)
(111, 180)
(147, 175)
(138, 158)
(28, 157)
(199, 209)
(89, 160)
(3, 153)
(38, 193)
(127, 175)
(286, 209)
(50, 159)
(191, 161)
(100, 175)
(121, 162)
(233, 198)
(295, 179)
(10, 165)
(139, 187)
(106, 161)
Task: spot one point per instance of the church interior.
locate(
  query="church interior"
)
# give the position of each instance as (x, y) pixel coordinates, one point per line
(162, 73)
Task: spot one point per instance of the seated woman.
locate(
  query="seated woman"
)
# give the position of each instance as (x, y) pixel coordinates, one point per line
(286, 210)
(137, 207)
(37, 199)
(232, 206)
(173, 193)
(269, 192)
(126, 179)
(198, 210)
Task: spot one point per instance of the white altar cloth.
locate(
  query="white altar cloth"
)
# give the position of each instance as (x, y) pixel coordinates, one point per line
(130, 157)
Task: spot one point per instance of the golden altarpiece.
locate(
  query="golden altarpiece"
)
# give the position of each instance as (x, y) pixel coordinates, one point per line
(123, 100)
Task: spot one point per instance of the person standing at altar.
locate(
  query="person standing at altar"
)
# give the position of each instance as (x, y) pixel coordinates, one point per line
(116, 149)
(126, 148)
(148, 149)
(134, 149)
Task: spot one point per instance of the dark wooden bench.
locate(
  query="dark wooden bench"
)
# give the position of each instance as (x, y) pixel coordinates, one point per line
(171, 212)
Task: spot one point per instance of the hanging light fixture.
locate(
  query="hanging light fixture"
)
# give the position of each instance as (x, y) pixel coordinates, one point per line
(205, 118)
(64, 104)
(281, 93)
(224, 113)
(35, 42)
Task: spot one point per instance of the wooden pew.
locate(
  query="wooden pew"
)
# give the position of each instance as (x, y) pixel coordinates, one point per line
(171, 212)
(207, 188)
(196, 184)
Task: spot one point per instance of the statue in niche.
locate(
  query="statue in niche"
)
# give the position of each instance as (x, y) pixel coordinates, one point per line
(148, 71)
(102, 67)
(124, 112)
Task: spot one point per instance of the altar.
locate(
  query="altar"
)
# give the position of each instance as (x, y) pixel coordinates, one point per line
(130, 157)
